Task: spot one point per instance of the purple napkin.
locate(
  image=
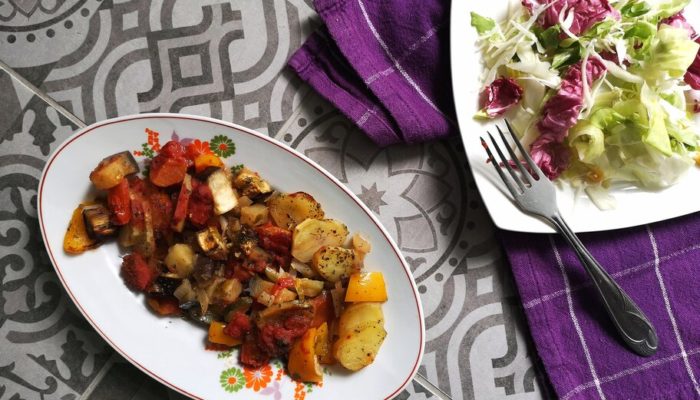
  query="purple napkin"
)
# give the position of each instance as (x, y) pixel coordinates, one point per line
(385, 65)
(657, 265)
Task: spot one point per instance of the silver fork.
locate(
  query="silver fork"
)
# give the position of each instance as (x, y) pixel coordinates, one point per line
(535, 194)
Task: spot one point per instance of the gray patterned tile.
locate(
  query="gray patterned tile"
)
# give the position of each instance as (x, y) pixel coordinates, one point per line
(48, 349)
(109, 58)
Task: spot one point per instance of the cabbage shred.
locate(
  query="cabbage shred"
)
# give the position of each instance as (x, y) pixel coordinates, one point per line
(636, 127)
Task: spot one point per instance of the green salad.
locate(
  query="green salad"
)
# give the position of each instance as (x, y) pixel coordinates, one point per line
(602, 92)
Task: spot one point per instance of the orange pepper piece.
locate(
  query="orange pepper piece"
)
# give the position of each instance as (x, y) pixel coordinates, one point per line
(217, 335)
(303, 364)
(206, 160)
(366, 286)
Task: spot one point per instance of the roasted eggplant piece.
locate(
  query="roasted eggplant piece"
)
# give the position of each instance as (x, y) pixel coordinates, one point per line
(77, 239)
(164, 286)
(212, 243)
(250, 184)
(97, 221)
(194, 311)
(205, 270)
(222, 192)
(111, 170)
(247, 239)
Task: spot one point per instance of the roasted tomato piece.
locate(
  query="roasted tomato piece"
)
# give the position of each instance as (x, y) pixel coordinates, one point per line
(275, 240)
(167, 171)
(173, 149)
(119, 203)
(237, 269)
(277, 336)
(252, 355)
(238, 326)
(161, 208)
(137, 273)
(201, 204)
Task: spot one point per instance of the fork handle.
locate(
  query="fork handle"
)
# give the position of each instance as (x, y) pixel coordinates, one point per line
(634, 327)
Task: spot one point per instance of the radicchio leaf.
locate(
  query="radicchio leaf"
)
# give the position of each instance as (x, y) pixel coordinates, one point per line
(559, 114)
(679, 21)
(586, 13)
(499, 96)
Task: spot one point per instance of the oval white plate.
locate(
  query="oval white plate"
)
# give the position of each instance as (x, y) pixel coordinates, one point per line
(171, 350)
(634, 207)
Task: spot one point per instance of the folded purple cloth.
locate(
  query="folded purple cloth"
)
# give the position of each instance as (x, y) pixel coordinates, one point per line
(385, 65)
(657, 265)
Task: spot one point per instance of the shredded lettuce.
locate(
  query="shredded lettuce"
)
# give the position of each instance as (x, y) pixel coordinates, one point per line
(670, 55)
(668, 8)
(626, 119)
(483, 25)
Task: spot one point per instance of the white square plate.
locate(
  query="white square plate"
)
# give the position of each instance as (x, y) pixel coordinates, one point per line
(634, 206)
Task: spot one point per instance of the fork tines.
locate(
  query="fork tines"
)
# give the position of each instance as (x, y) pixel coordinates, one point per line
(526, 177)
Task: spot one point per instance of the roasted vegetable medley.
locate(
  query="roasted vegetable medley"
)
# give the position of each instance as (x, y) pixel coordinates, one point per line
(263, 270)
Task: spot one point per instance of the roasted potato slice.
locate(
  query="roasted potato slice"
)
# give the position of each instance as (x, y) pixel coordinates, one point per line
(180, 259)
(358, 316)
(111, 170)
(312, 234)
(288, 210)
(254, 215)
(360, 334)
(357, 350)
(333, 263)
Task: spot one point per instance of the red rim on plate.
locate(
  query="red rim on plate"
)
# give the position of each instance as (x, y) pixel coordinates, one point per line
(250, 132)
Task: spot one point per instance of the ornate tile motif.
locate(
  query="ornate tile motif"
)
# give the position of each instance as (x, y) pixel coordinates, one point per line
(48, 349)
